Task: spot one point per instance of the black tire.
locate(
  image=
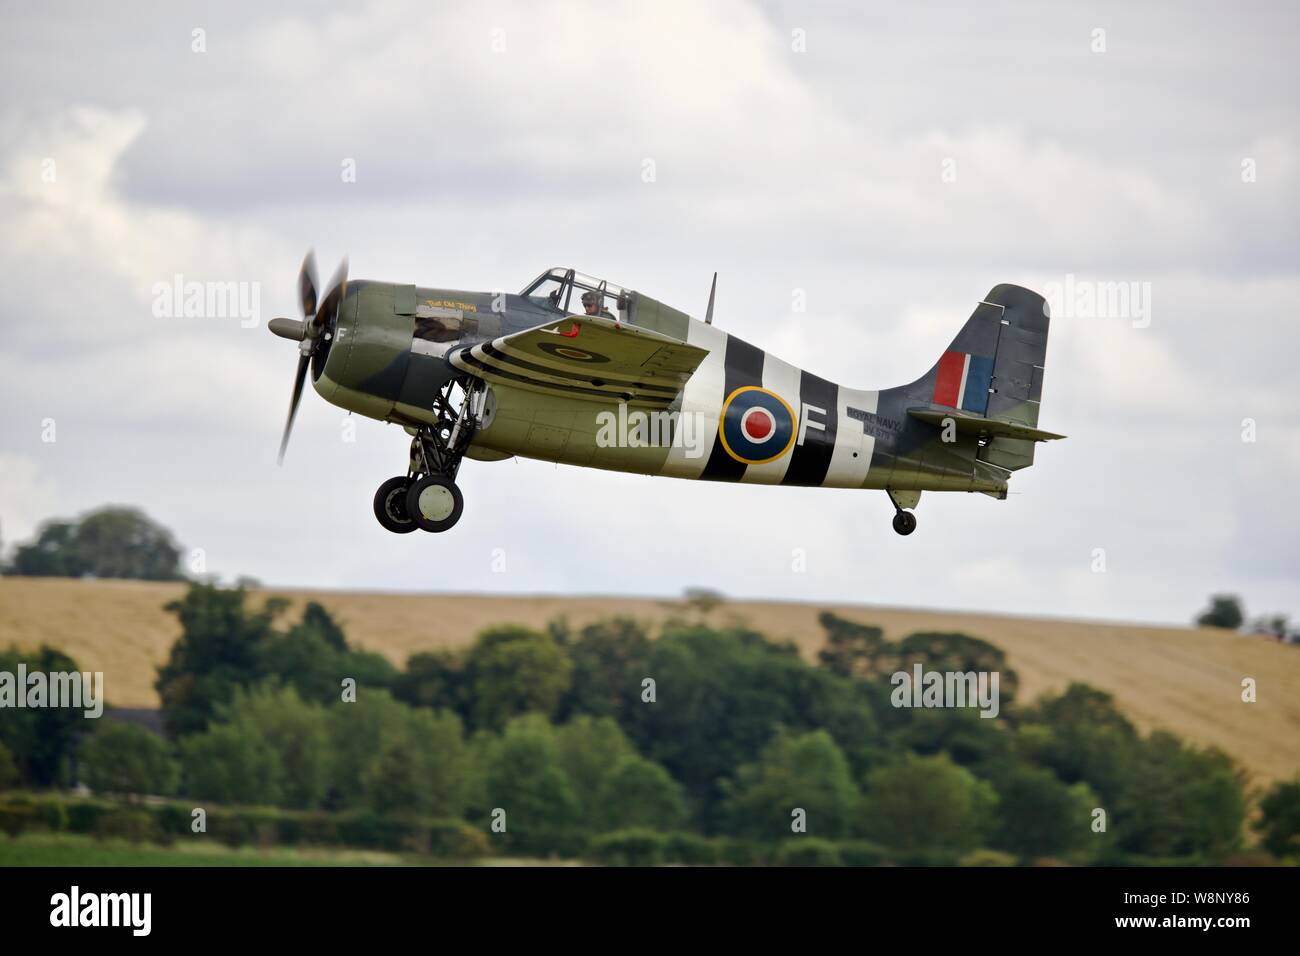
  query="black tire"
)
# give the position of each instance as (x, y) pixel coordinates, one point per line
(442, 500)
(390, 505)
(904, 522)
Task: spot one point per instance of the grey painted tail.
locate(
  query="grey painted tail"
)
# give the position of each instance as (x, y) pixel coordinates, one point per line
(993, 370)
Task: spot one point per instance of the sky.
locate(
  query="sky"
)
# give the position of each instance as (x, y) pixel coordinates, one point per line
(860, 175)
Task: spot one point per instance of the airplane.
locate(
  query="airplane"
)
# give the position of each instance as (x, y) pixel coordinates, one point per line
(624, 382)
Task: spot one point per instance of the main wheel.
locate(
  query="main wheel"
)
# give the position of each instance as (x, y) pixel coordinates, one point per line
(904, 522)
(434, 503)
(390, 505)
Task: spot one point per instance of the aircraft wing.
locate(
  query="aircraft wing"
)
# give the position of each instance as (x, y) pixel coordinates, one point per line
(588, 357)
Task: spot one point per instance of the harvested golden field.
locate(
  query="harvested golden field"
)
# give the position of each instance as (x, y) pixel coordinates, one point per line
(1177, 678)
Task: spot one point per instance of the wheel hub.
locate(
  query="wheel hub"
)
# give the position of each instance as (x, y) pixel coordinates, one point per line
(436, 503)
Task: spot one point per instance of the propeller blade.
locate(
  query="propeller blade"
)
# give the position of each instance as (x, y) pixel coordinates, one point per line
(340, 276)
(327, 313)
(293, 404)
(308, 283)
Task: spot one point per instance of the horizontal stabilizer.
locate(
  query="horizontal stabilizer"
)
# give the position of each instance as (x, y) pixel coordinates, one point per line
(977, 424)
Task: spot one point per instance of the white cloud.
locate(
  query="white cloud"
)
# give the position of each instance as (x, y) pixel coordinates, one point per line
(26, 498)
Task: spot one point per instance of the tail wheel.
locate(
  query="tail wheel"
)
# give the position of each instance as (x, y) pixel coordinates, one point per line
(904, 522)
(390, 505)
(434, 503)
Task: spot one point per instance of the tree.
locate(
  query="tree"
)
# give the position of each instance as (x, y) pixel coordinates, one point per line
(1276, 625)
(638, 793)
(1184, 802)
(9, 776)
(231, 763)
(960, 732)
(40, 740)
(1225, 611)
(313, 657)
(356, 735)
(1039, 815)
(1081, 735)
(855, 650)
(514, 670)
(950, 652)
(846, 708)
(588, 749)
(805, 771)
(294, 731)
(610, 659)
(524, 779)
(927, 804)
(1279, 819)
(305, 661)
(222, 646)
(420, 769)
(386, 756)
(317, 620)
(111, 542)
(703, 601)
(481, 747)
(720, 695)
(433, 679)
(127, 759)
(50, 555)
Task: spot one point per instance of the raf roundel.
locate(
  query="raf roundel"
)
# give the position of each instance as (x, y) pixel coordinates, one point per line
(756, 425)
(573, 354)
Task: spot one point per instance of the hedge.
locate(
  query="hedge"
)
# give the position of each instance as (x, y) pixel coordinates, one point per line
(691, 849)
(808, 851)
(165, 822)
(240, 826)
(862, 853)
(21, 812)
(635, 847)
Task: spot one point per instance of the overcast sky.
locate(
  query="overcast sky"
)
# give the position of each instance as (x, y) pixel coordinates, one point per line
(888, 163)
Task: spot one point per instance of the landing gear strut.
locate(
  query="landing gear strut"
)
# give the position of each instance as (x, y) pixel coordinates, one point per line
(427, 497)
(904, 521)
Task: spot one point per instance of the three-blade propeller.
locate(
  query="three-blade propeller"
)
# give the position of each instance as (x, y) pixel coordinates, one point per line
(317, 327)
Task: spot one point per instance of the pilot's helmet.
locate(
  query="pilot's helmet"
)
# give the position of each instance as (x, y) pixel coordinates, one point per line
(590, 298)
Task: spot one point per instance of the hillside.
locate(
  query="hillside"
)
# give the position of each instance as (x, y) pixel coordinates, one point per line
(1180, 679)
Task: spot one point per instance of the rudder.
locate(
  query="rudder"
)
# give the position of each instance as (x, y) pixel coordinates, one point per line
(994, 369)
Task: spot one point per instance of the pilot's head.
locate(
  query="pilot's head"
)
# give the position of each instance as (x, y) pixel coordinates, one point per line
(590, 302)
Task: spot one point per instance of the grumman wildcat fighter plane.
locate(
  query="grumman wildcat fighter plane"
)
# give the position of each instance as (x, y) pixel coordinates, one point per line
(579, 371)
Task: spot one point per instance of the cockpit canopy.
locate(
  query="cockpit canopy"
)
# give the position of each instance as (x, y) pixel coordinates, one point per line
(570, 292)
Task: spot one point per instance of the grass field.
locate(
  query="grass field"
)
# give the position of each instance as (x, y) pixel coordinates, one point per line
(65, 849)
(69, 849)
(1178, 678)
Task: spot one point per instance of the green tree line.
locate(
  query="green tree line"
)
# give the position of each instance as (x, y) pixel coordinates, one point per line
(611, 739)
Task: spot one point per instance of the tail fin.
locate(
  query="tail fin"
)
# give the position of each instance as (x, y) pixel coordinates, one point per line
(992, 376)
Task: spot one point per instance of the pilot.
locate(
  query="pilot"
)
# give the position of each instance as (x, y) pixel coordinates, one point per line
(592, 306)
